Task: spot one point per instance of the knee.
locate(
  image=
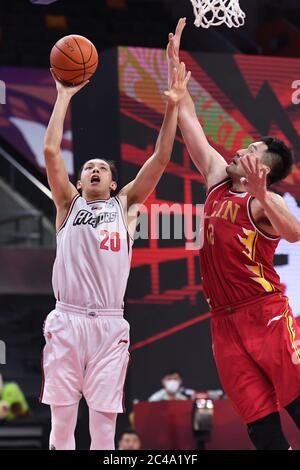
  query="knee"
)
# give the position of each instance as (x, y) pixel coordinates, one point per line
(102, 430)
(266, 433)
(61, 431)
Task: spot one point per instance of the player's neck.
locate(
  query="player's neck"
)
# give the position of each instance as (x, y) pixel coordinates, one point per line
(96, 197)
(238, 187)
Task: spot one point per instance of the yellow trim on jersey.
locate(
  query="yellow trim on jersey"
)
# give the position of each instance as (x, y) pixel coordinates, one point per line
(254, 246)
(250, 244)
(259, 277)
(291, 330)
(263, 276)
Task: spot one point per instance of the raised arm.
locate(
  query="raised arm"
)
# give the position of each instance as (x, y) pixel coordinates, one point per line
(149, 175)
(269, 210)
(62, 189)
(207, 160)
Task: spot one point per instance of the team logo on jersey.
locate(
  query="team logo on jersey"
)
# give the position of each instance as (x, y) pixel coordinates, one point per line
(84, 217)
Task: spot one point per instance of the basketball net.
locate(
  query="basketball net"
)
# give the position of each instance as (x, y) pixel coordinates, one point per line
(216, 12)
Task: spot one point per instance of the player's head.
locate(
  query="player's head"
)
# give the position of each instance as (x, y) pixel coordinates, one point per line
(97, 179)
(129, 440)
(273, 154)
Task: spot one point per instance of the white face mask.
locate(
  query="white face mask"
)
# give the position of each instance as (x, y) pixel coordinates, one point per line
(172, 385)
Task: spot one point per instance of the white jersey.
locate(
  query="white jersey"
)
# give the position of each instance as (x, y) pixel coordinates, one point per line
(93, 255)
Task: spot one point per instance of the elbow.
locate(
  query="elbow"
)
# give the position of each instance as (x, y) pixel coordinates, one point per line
(296, 235)
(296, 239)
(164, 160)
(49, 151)
(293, 237)
(163, 157)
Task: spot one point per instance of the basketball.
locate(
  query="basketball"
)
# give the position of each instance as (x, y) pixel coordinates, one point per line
(74, 59)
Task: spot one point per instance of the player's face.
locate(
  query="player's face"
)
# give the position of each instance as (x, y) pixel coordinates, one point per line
(255, 150)
(96, 179)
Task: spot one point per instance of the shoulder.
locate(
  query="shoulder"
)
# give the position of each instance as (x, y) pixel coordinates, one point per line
(180, 396)
(259, 218)
(157, 396)
(63, 214)
(221, 183)
(257, 207)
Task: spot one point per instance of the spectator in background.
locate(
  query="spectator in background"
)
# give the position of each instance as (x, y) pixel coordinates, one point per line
(13, 403)
(129, 440)
(172, 388)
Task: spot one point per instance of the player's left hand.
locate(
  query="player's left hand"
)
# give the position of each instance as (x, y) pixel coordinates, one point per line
(174, 42)
(178, 85)
(67, 90)
(255, 180)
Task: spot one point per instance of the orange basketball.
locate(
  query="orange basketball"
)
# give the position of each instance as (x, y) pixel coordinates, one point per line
(74, 59)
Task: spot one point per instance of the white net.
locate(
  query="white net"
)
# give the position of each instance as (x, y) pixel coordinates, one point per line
(216, 12)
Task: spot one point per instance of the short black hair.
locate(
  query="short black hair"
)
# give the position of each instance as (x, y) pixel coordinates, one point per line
(129, 431)
(172, 372)
(113, 169)
(112, 166)
(279, 157)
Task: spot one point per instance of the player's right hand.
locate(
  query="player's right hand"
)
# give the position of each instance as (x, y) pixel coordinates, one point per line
(174, 42)
(67, 89)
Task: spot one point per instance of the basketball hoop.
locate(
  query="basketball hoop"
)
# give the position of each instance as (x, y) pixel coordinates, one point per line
(216, 12)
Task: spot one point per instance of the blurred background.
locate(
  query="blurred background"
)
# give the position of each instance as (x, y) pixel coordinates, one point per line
(242, 87)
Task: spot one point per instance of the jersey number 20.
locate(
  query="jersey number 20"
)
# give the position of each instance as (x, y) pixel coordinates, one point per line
(110, 241)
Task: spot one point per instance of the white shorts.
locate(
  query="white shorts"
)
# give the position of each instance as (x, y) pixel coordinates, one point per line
(86, 353)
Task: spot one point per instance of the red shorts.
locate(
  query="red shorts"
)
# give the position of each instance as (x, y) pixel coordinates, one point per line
(257, 352)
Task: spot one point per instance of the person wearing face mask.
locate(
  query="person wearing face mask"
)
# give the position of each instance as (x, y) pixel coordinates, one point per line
(171, 390)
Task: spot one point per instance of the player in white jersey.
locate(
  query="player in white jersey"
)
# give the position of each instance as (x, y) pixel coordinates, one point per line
(87, 338)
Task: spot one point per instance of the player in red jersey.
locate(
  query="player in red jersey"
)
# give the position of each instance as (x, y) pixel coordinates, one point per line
(256, 340)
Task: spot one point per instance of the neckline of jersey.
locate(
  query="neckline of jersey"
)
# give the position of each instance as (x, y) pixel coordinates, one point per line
(98, 200)
(237, 192)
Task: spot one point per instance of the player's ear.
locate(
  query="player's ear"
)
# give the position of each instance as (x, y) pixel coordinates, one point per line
(113, 186)
(78, 185)
(265, 167)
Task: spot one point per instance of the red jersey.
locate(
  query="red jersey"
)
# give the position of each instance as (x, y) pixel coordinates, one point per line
(237, 257)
